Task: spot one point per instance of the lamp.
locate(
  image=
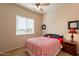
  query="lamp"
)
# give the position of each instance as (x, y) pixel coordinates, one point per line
(73, 31)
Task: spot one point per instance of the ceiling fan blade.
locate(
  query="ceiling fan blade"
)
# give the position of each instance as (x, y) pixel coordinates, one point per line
(43, 4)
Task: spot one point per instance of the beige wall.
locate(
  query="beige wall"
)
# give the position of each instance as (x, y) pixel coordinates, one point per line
(57, 19)
(8, 38)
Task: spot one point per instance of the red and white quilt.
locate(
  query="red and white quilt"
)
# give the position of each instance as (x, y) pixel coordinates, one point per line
(43, 46)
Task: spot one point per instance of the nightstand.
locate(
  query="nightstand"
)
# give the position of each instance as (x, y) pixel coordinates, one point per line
(70, 47)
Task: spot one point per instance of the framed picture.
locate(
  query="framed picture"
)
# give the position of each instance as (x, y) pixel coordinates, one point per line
(43, 26)
(73, 24)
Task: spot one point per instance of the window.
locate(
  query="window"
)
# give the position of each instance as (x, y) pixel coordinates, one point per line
(24, 25)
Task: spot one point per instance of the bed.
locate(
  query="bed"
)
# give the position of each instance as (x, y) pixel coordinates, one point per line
(43, 46)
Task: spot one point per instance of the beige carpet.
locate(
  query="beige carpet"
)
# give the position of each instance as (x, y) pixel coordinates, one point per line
(21, 52)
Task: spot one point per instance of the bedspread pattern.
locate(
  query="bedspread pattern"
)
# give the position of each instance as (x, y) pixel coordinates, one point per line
(42, 46)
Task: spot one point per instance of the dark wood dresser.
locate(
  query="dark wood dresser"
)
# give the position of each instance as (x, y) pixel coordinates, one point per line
(70, 47)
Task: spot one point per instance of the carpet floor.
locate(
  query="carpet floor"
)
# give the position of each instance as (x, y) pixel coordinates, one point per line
(21, 52)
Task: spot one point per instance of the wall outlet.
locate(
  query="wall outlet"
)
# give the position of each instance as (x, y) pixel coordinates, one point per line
(1, 49)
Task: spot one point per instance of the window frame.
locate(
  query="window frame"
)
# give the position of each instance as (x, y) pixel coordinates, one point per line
(27, 18)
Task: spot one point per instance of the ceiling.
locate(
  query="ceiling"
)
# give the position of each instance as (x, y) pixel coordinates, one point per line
(31, 7)
(46, 9)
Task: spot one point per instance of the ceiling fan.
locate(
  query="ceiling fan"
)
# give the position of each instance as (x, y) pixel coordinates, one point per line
(38, 5)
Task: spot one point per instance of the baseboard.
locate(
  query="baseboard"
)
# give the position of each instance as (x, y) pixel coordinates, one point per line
(9, 50)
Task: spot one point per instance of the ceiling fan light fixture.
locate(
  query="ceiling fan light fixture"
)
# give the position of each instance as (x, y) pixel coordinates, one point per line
(37, 7)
